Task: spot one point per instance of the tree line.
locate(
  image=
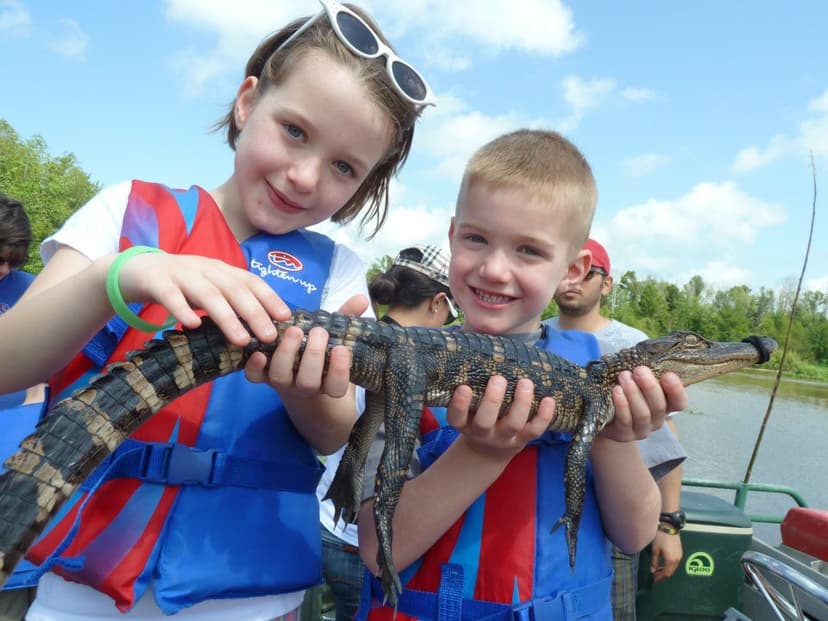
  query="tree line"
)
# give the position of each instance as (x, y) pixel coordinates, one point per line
(54, 187)
(51, 188)
(658, 307)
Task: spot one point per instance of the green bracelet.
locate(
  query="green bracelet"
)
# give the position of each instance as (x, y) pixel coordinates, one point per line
(116, 298)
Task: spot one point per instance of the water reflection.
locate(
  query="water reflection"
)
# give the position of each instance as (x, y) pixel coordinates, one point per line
(805, 391)
(720, 428)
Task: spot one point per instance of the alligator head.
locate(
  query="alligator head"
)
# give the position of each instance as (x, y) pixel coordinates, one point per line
(691, 356)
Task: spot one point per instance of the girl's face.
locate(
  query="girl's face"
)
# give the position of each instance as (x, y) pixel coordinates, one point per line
(305, 147)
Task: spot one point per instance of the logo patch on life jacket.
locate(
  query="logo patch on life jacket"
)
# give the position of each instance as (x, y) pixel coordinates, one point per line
(284, 260)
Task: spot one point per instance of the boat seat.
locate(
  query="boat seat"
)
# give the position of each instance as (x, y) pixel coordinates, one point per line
(806, 530)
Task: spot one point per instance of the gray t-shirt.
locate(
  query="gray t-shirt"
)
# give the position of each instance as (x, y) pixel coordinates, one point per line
(661, 450)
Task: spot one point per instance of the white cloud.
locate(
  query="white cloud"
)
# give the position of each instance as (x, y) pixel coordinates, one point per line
(717, 274)
(405, 226)
(754, 157)
(817, 284)
(638, 94)
(645, 164)
(711, 231)
(813, 132)
(543, 27)
(583, 94)
(540, 27)
(239, 27)
(452, 131)
(71, 42)
(819, 104)
(15, 20)
(811, 137)
(699, 217)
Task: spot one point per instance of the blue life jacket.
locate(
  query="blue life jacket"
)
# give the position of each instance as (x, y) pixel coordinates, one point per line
(214, 496)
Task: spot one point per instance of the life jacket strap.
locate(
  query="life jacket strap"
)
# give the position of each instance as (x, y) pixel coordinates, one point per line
(178, 464)
(448, 603)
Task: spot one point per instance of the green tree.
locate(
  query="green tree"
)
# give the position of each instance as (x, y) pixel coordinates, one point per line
(51, 188)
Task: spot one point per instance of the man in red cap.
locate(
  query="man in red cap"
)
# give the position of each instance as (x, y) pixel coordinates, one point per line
(580, 309)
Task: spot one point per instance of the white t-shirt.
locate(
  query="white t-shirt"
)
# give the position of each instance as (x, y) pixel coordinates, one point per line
(345, 531)
(94, 230)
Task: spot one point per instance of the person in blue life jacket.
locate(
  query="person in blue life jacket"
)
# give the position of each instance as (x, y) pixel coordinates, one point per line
(414, 291)
(19, 410)
(472, 532)
(15, 237)
(319, 126)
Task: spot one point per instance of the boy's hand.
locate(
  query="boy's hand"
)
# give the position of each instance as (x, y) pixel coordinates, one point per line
(642, 403)
(502, 437)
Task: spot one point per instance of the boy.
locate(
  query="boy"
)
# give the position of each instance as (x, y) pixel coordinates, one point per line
(523, 213)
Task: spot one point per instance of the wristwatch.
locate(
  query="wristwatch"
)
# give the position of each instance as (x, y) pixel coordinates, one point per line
(671, 523)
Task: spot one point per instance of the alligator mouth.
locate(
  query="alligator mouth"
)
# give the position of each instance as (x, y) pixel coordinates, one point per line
(719, 359)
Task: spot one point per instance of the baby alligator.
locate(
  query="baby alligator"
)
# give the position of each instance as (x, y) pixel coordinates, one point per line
(402, 370)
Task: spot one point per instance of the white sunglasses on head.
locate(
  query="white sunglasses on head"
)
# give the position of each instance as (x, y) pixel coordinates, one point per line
(361, 39)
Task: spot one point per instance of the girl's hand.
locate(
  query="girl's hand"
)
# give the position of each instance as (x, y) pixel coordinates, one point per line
(502, 437)
(182, 283)
(642, 403)
(304, 374)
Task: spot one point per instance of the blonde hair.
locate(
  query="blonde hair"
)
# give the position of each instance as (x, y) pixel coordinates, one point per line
(546, 165)
(272, 66)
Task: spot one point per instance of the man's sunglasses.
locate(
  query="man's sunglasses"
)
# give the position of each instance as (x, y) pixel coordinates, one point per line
(595, 270)
(360, 38)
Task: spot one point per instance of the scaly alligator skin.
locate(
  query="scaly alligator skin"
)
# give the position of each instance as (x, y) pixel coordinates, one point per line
(402, 370)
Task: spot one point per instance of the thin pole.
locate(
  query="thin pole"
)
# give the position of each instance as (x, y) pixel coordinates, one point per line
(791, 316)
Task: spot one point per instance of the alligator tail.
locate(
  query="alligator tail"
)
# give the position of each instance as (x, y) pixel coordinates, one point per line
(82, 430)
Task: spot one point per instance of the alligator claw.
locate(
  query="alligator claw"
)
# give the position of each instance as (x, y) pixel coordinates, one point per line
(571, 532)
(344, 508)
(391, 583)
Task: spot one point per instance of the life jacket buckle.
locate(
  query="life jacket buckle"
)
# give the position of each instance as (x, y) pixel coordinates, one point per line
(178, 464)
(524, 612)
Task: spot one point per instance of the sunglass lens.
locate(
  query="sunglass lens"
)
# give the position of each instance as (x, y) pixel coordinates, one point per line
(357, 34)
(409, 81)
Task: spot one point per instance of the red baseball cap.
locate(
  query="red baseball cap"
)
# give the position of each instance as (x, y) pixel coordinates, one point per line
(600, 258)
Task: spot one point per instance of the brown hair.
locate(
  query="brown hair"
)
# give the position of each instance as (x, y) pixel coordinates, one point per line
(15, 230)
(272, 68)
(545, 164)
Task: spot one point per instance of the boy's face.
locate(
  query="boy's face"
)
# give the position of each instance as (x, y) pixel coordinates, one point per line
(509, 252)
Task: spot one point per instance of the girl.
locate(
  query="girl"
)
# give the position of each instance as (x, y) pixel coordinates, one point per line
(322, 120)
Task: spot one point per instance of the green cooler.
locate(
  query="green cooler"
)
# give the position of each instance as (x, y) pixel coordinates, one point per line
(709, 578)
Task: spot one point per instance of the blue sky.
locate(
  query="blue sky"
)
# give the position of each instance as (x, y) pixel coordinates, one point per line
(698, 117)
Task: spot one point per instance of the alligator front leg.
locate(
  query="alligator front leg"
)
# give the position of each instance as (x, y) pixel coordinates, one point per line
(405, 386)
(346, 488)
(575, 469)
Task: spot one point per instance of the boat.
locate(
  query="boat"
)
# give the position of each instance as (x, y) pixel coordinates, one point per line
(728, 572)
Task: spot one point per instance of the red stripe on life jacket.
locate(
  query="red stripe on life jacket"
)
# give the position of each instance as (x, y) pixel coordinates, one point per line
(428, 422)
(507, 549)
(136, 560)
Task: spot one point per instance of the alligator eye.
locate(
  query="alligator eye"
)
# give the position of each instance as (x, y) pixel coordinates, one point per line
(691, 339)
